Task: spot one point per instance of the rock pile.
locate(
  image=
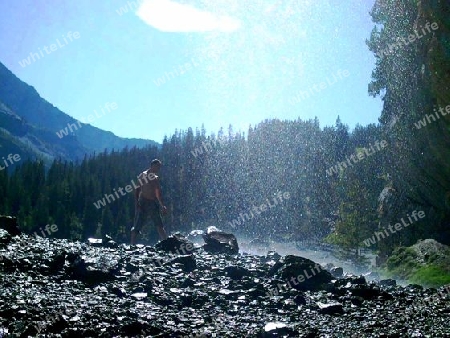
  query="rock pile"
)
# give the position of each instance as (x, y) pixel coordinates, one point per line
(56, 288)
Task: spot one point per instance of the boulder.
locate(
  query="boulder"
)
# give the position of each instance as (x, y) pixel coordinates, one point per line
(220, 242)
(10, 224)
(302, 274)
(90, 270)
(187, 262)
(236, 272)
(388, 282)
(196, 237)
(5, 237)
(337, 272)
(176, 243)
(330, 308)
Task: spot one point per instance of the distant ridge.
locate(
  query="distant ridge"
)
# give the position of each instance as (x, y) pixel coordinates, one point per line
(29, 126)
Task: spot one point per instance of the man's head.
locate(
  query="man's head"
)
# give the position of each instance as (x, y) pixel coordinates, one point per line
(155, 165)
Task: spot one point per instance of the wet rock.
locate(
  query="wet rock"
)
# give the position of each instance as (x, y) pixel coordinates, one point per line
(365, 291)
(10, 224)
(300, 300)
(92, 271)
(56, 288)
(352, 280)
(277, 329)
(330, 308)
(388, 282)
(95, 242)
(372, 276)
(5, 237)
(176, 243)
(302, 273)
(220, 242)
(196, 237)
(337, 272)
(236, 272)
(187, 262)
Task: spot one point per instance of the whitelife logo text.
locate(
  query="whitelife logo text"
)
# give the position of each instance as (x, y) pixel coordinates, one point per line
(33, 57)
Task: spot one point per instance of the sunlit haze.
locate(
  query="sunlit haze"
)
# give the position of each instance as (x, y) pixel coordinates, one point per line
(173, 65)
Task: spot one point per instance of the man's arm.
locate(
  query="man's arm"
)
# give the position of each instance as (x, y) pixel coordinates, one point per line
(158, 195)
(137, 192)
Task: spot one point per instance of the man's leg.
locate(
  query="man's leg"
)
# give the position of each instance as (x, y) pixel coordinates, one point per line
(157, 220)
(138, 219)
(133, 236)
(162, 233)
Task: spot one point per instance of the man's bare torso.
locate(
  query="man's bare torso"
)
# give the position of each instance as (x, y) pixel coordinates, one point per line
(149, 185)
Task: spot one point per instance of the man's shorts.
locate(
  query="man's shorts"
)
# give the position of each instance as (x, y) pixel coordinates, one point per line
(148, 208)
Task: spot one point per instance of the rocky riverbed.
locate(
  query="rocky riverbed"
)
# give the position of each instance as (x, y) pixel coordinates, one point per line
(57, 288)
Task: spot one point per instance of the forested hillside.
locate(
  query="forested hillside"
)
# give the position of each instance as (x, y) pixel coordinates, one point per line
(216, 180)
(412, 50)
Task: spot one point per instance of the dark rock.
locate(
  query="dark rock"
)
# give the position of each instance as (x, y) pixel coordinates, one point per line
(139, 328)
(188, 282)
(176, 243)
(91, 272)
(330, 308)
(5, 237)
(108, 242)
(275, 268)
(356, 300)
(141, 291)
(415, 287)
(365, 291)
(302, 273)
(388, 282)
(196, 237)
(10, 224)
(300, 300)
(372, 276)
(348, 281)
(187, 261)
(273, 255)
(236, 272)
(337, 272)
(53, 264)
(220, 242)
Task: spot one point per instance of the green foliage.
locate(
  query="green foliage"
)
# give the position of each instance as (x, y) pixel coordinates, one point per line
(431, 276)
(405, 263)
(413, 81)
(402, 263)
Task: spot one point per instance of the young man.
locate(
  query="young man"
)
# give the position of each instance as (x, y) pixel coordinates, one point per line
(148, 199)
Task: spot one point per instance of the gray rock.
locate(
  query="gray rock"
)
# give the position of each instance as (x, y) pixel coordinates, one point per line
(220, 242)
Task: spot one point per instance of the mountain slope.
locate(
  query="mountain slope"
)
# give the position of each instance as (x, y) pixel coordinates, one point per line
(28, 119)
(19, 137)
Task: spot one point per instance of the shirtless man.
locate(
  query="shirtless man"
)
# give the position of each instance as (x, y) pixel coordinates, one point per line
(148, 199)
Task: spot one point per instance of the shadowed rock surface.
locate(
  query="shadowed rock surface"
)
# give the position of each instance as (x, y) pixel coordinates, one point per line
(10, 224)
(56, 288)
(220, 242)
(302, 273)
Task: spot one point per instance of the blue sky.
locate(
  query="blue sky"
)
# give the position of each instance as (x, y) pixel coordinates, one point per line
(177, 64)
